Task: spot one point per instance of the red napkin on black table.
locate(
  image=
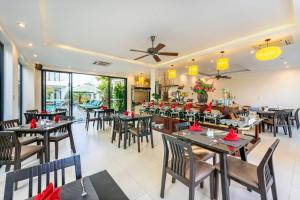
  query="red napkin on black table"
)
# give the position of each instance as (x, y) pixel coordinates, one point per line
(161, 104)
(208, 109)
(188, 106)
(56, 118)
(174, 106)
(33, 123)
(231, 136)
(103, 107)
(195, 127)
(126, 113)
(44, 112)
(49, 193)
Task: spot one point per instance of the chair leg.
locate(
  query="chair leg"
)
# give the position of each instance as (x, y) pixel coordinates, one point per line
(139, 144)
(173, 180)
(216, 184)
(41, 157)
(7, 168)
(16, 167)
(120, 138)
(112, 136)
(129, 138)
(274, 131)
(202, 185)
(214, 160)
(163, 183)
(151, 138)
(192, 192)
(56, 150)
(274, 191)
(147, 139)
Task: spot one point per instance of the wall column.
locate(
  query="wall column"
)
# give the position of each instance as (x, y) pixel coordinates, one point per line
(152, 80)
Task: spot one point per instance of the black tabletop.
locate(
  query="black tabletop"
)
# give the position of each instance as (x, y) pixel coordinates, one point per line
(99, 186)
(130, 118)
(202, 139)
(40, 128)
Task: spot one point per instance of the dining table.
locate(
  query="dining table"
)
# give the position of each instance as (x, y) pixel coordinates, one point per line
(98, 186)
(126, 119)
(45, 130)
(48, 115)
(213, 140)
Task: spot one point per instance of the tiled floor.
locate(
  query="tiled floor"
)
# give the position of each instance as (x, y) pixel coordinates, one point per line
(139, 174)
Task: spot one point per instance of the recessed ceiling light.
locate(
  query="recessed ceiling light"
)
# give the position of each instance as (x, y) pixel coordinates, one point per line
(34, 55)
(285, 63)
(252, 51)
(212, 61)
(21, 25)
(30, 44)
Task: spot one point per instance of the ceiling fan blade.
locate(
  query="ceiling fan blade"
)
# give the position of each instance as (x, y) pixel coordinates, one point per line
(156, 58)
(141, 57)
(159, 47)
(138, 51)
(167, 54)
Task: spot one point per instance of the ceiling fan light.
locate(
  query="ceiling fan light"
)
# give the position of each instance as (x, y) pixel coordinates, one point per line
(193, 70)
(222, 64)
(172, 73)
(268, 53)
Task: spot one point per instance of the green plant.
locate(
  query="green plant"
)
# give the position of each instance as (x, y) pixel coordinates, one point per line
(118, 95)
(103, 87)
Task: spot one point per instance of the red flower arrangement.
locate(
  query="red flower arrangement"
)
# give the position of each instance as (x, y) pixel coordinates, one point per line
(202, 88)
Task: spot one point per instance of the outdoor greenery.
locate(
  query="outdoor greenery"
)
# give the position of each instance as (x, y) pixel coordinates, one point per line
(103, 87)
(118, 96)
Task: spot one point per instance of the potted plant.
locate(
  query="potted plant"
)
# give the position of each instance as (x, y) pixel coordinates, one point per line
(202, 88)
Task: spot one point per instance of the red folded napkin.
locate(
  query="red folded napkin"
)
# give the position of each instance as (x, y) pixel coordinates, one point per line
(188, 106)
(174, 105)
(44, 112)
(55, 195)
(56, 118)
(104, 107)
(33, 123)
(161, 104)
(231, 136)
(45, 193)
(195, 127)
(151, 104)
(208, 109)
(126, 113)
(132, 114)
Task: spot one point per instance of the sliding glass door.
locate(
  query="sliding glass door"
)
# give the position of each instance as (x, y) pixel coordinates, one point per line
(56, 91)
(89, 91)
(78, 92)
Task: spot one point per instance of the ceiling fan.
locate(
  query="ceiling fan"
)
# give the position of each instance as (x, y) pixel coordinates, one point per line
(154, 51)
(223, 75)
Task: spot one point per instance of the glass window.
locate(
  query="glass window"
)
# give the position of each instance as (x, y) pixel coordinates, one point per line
(118, 94)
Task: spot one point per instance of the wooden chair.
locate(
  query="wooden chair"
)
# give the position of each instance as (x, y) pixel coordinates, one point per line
(199, 152)
(59, 135)
(13, 153)
(280, 119)
(89, 119)
(25, 140)
(107, 117)
(143, 129)
(259, 178)
(295, 118)
(183, 166)
(39, 170)
(118, 128)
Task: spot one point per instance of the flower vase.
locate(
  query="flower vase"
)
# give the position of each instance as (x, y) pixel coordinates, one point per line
(202, 98)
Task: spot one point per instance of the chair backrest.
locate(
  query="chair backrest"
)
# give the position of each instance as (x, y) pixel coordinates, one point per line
(38, 171)
(66, 118)
(117, 124)
(8, 141)
(32, 111)
(280, 117)
(9, 124)
(29, 116)
(265, 169)
(177, 157)
(108, 112)
(144, 125)
(182, 126)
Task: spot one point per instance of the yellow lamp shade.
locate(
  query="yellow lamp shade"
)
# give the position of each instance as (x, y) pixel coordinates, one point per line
(141, 80)
(268, 53)
(172, 73)
(222, 64)
(193, 70)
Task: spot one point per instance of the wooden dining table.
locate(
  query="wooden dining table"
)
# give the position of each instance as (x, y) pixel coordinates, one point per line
(221, 147)
(126, 119)
(48, 115)
(45, 131)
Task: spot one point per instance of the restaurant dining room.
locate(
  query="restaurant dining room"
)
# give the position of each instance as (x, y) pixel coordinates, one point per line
(149, 100)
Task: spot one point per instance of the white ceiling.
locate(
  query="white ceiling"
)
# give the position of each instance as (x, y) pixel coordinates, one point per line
(76, 32)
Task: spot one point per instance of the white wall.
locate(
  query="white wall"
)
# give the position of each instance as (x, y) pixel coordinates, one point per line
(272, 88)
